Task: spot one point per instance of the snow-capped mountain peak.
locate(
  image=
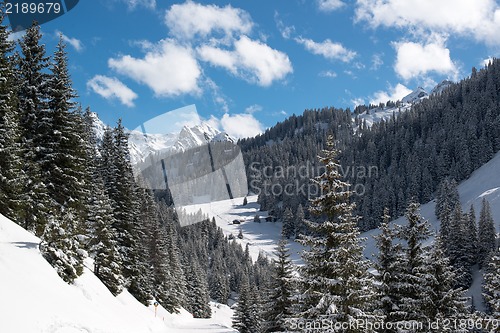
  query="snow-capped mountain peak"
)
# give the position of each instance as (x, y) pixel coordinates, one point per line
(142, 144)
(415, 96)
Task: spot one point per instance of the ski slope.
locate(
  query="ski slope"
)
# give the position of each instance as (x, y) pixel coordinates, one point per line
(33, 299)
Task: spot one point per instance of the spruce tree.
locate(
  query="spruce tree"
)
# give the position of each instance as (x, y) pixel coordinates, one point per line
(388, 266)
(412, 286)
(486, 233)
(61, 246)
(491, 285)
(447, 195)
(33, 104)
(300, 226)
(198, 297)
(64, 161)
(458, 251)
(444, 301)
(103, 245)
(245, 318)
(335, 282)
(10, 135)
(281, 292)
(288, 228)
(218, 279)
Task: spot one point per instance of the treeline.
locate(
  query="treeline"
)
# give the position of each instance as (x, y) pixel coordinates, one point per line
(450, 134)
(79, 194)
(412, 286)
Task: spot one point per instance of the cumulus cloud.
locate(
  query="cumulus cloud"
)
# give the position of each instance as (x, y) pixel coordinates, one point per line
(190, 19)
(416, 60)
(479, 19)
(74, 42)
(327, 49)
(241, 125)
(329, 5)
(169, 69)
(393, 94)
(112, 88)
(250, 59)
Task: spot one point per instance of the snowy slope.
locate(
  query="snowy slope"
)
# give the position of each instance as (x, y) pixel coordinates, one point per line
(34, 299)
(483, 183)
(262, 236)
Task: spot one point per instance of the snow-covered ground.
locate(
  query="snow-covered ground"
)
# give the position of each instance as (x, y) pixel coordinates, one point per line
(33, 299)
(263, 236)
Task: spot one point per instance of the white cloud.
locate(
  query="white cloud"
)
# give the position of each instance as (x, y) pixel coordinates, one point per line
(15, 36)
(190, 19)
(253, 108)
(416, 60)
(112, 88)
(241, 125)
(169, 69)
(252, 60)
(394, 94)
(132, 4)
(485, 62)
(330, 74)
(286, 31)
(74, 42)
(327, 49)
(479, 19)
(357, 101)
(376, 61)
(329, 5)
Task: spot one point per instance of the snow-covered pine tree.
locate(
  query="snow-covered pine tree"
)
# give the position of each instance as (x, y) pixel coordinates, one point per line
(176, 287)
(103, 246)
(486, 233)
(413, 290)
(388, 261)
(64, 164)
(245, 319)
(218, 279)
(335, 282)
(10, 136)
(491, 285)
(445, 219)
(471, 232)
(300, 227)
(140, 278)
(457, 248)
(447, 195)
(198, 298)
(288, 228)
(445, 301)
(279, 298)
(101, 238)
(33, 97)
(61, 246)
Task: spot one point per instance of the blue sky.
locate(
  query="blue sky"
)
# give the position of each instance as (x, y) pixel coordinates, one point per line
(249, 64)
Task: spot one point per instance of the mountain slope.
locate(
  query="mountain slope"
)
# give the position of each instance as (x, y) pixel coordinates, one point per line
(35, 299)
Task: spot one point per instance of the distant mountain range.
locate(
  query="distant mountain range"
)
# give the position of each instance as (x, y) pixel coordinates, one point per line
(142, 144)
